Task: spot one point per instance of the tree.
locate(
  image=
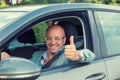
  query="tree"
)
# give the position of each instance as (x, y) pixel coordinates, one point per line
(106, 1)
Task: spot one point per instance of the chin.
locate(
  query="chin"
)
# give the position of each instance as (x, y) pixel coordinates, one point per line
(54, 51)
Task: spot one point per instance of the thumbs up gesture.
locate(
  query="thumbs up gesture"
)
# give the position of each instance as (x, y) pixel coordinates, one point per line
(70, 50)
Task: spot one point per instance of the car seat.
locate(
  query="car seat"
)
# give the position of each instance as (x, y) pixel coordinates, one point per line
(25, 48)
(70, 29)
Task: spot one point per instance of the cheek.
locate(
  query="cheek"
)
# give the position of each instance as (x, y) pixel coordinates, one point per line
(47, 44)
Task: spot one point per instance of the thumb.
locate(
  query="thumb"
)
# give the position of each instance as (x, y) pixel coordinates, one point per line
(71, 40)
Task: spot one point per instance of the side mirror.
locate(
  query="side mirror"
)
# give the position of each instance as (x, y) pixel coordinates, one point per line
(15, 68)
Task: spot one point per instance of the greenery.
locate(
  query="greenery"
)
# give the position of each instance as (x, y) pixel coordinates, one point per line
(4, 3)
(40, 30)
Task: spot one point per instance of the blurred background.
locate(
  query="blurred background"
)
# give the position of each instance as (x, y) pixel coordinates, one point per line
(7, 3)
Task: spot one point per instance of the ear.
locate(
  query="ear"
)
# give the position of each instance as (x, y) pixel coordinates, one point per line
(64, 40)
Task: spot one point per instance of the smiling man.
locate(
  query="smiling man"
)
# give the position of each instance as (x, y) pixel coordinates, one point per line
(55, 40)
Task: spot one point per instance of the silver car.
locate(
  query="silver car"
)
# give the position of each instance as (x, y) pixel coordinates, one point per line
(22, 32)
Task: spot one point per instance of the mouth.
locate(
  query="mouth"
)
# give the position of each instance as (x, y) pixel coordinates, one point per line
(53, 48)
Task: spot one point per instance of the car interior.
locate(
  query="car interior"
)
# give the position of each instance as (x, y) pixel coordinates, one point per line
(25, 45)
(26, 38)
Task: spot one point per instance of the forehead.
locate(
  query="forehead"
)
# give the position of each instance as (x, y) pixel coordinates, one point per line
(55, 31)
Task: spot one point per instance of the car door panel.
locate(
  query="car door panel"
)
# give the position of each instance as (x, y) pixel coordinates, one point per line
(113, 65)
(110, 33)
(80, 73)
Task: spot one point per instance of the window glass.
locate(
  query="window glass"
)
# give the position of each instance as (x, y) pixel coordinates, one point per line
(110, 23)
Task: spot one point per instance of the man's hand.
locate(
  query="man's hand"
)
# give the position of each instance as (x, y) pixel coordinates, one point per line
(70, 50)
(4, 55)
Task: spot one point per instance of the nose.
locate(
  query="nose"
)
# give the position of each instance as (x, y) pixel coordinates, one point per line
(53, 41)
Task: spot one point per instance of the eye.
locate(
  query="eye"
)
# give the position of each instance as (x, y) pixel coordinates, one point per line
(58, 38)
(48, 38)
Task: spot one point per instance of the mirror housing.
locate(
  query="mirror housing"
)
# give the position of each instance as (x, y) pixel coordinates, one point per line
(15, 68)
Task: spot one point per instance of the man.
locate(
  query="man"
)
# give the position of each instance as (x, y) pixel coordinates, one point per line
(55, 40)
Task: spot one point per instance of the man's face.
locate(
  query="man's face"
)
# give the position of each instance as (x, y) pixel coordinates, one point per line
(55, 39)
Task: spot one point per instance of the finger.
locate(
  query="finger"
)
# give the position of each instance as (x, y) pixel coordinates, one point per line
(68, 54)
(72, 56)
(69, 57)
(71, 40)
(69, 47)
(71, 50)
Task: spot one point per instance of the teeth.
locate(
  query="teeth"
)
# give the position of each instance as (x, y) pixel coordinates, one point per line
(53, 46)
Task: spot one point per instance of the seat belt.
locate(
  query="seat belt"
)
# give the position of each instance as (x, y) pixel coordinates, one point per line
(53, 59)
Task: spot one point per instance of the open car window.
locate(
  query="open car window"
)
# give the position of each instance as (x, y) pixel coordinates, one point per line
(33, 39)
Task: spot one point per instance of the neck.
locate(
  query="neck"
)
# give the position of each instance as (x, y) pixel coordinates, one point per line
(50, 55)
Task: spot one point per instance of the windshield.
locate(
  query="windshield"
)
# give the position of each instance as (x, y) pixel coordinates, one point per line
(7, 17)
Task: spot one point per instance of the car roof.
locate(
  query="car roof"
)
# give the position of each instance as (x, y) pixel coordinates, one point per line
(22, 8)
(61, 6)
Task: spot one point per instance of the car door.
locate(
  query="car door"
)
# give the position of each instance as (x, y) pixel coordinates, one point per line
(110, 25)
(95, 70)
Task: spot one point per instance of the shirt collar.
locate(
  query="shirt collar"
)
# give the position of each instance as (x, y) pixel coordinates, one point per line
(45, 55)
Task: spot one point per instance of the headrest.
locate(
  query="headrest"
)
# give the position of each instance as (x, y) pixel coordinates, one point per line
(70, 29)
(27, 37)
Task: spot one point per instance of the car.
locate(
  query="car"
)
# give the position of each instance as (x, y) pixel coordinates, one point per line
(22, 32)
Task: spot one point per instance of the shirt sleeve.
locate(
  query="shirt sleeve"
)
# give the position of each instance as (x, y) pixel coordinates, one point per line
(86, 55)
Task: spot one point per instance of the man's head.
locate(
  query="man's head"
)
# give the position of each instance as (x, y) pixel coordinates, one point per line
(55, 38)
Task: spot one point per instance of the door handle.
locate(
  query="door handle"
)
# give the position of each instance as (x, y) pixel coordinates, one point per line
(96, 76)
